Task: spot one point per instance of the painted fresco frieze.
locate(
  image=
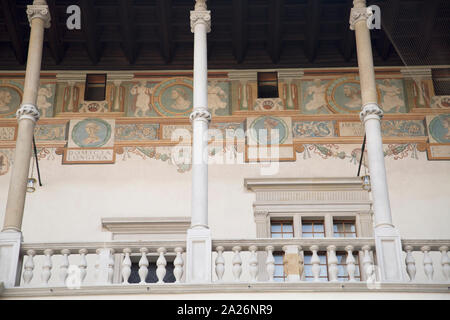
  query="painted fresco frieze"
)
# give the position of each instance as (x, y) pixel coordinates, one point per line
(10, 98)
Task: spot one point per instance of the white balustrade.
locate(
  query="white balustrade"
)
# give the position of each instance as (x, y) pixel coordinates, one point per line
(332, 264)
(110, 264)
(161, 264)
(410, 263)
(350, 261)
(315, 262)
(270, 263)
(126, 265)
(47, 266)
(63, 269)
(220, 263)
(143, 265)
(427, 262)
(253, 263)
(237, 263)
(29, 267)
(83, 264)
(178, 265)
(445, 262)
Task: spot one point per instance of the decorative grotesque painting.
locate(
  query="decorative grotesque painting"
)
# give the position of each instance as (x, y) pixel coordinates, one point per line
(90, 133)
(10, 98)
(343, 95)
(45, 100)
(308, 129)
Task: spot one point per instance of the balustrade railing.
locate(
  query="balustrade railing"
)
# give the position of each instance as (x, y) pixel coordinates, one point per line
(233, 261)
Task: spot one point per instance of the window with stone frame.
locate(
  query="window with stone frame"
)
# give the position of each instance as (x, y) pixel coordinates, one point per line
(281, 229)
(344, 228)
(313, 229)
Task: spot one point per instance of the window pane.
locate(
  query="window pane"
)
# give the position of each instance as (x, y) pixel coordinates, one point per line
(323, 259)
(276, 227)
(288, 235)
(278, 259)
(307, 227)
(307, 235)
(338, 227)
(319, 235)
(349, 227)
(287, 228)
(276, 235)
(323, 271)
(308, 271)
(318, 227)
(278, 271)
(307, 259)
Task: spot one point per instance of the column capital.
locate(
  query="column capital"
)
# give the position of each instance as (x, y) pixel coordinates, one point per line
(370, 109)
(201, 114)
(28, 111)
(201, 16)
(39, 11)
(359, 14)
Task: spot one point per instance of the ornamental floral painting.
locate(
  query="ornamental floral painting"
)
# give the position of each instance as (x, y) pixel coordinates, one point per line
(343, 95)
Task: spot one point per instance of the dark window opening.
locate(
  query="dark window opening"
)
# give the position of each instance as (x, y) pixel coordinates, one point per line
(267, 85)
(441, 82)
(95, 87)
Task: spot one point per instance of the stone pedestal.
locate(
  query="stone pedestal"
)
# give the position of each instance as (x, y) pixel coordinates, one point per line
(198, 255)
(10, 261)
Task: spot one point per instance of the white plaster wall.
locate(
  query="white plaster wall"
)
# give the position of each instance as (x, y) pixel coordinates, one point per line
(74, 198)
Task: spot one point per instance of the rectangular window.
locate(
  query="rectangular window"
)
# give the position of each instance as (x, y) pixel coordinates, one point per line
(281, 229)
(267, 85)
(344, 229)
(95, 87)
(313, 229)
(323, 276)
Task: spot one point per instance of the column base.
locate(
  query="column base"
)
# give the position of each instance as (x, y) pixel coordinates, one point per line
(389, 254)
(198, 255)
(10, 259)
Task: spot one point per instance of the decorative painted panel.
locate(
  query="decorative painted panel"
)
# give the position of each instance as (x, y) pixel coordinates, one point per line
(307, 129)
(10, 97)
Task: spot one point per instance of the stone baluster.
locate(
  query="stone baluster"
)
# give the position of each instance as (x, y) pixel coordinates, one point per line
(410, 263)
(332, 263)
(253, 263)
(270, 263)
(161, 265)
(97, 264)
(63, 273)
(351, 268)
(110, 264)
(220, 263)
(367, 263)
(315, 261)
(29, 267)
(427, 262)
(126, 265)
(83, 264)
(47, 266)
(445, 262)
(237, 263)
(143, 265)
(178, 265)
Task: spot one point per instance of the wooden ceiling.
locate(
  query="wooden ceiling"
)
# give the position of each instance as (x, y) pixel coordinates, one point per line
(155, 34)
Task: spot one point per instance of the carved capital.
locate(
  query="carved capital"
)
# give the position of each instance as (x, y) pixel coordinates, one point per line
(359, 14)
(370, 109)
(201, 17)
(28, 111)
(40, 12)
(202, 114)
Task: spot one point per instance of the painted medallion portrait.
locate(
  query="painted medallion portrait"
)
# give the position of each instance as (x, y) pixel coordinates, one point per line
(173, 97)
(91, 133)
(10, 98)
(440, 128)
(270, 124)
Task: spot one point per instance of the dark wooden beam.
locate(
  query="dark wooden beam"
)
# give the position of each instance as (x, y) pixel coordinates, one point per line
(275, 29)
(429, 12)
(14, 30)
(164, 8)
(348, 36)
(89, 29)
(312, 29)
(53, 36)
(126, 16)
(239, 29)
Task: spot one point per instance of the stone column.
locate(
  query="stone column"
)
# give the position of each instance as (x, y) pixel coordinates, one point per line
(27, 115)
(198, 264)
(388, 244)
